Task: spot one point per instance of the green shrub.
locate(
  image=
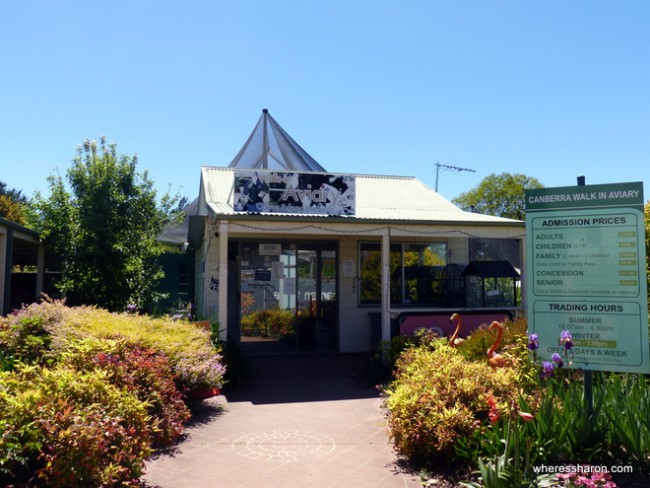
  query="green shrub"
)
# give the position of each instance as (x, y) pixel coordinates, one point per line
(236, 363)
(111, 389)
(27, 334)
(437, 410)
(62, 428)
(438, 396)
(143, 372)
(381, 368)
(194, 361)
(514, 346)
(479, 341)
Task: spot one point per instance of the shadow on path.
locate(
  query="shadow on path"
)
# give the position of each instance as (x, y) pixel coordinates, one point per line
(303, 378)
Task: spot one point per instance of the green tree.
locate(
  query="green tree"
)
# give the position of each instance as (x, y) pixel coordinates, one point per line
(12, 204)
(104, 228)
(16, 195)
(501, 195)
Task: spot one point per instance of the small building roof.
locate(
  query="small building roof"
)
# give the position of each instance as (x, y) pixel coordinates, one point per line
(269, 145)
(177, 234)
(378, 198)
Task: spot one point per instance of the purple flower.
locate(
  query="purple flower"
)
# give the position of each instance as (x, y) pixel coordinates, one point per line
(566, 339)
(533, 342)
(547, 369)
(557, 359)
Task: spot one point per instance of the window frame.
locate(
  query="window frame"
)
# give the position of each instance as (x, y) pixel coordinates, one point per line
(397, 299)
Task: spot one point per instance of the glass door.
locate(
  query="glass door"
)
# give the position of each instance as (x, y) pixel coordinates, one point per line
(316, 314)
(287, 298)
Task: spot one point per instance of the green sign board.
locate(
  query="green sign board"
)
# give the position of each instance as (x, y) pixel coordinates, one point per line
(586, 273)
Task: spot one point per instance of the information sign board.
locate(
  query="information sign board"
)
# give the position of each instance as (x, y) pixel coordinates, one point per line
(586, 273)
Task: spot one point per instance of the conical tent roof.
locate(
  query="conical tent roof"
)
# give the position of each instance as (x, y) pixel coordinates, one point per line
(269, 144)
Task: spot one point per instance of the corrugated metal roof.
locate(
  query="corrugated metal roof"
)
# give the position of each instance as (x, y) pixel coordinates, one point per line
(387, 198)
(177, 234)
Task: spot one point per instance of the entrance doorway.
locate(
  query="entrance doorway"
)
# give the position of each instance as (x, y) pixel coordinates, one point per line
(288, 297)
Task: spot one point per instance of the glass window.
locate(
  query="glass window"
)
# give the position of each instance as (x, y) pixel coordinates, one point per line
(493, 291)
(370, 276)
(495, 249)
(416, 273)
(423, 265)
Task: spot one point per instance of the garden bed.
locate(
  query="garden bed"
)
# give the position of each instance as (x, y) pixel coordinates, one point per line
(87, 395)
(496, 422)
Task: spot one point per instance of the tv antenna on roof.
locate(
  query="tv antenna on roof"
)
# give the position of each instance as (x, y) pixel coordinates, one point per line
(453, 168)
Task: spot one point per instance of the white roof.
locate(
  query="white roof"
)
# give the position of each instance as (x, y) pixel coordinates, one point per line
(387, 198)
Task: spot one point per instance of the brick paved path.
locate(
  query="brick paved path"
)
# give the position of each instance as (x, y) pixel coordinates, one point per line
(303, 422)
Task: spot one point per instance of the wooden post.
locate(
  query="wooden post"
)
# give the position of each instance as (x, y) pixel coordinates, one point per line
(588, 374)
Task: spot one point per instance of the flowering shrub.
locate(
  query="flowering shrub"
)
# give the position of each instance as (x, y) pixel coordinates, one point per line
(62, 428)
(193, 358)
(199, 371)
(382, 366)
(577, 476)
(102, 388)
(438, 396)
(143, 372)
(515, 347)
(514, 340)
(531, 414)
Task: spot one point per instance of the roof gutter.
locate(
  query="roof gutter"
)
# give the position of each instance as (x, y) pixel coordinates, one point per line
(354, 220)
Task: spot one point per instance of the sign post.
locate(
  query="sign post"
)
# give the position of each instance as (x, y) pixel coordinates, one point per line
(586, 273)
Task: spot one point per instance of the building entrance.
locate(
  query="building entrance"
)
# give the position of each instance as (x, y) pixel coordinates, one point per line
(288, 297)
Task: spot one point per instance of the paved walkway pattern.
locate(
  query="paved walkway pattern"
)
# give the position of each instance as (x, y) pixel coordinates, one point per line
(302, 422)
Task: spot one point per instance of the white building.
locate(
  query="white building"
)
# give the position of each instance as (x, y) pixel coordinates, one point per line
(338, 261)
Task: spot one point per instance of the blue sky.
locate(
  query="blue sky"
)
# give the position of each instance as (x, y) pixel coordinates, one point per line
(550, 89)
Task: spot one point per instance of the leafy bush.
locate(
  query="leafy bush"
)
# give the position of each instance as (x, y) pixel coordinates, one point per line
(438, 396)
(476, 345)
(62, 428)
(194, 361)
(381, 368)
(143, 372)
(27, 334)
(111, 389)
(438, 408)
(513, 346)
(198, 370)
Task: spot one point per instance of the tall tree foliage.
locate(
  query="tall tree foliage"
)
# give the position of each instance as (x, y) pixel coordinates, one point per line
(501, 195)
(12, 204)
(104, 228)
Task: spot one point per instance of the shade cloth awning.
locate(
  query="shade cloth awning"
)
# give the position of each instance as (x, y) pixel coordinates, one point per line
(491, 269)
